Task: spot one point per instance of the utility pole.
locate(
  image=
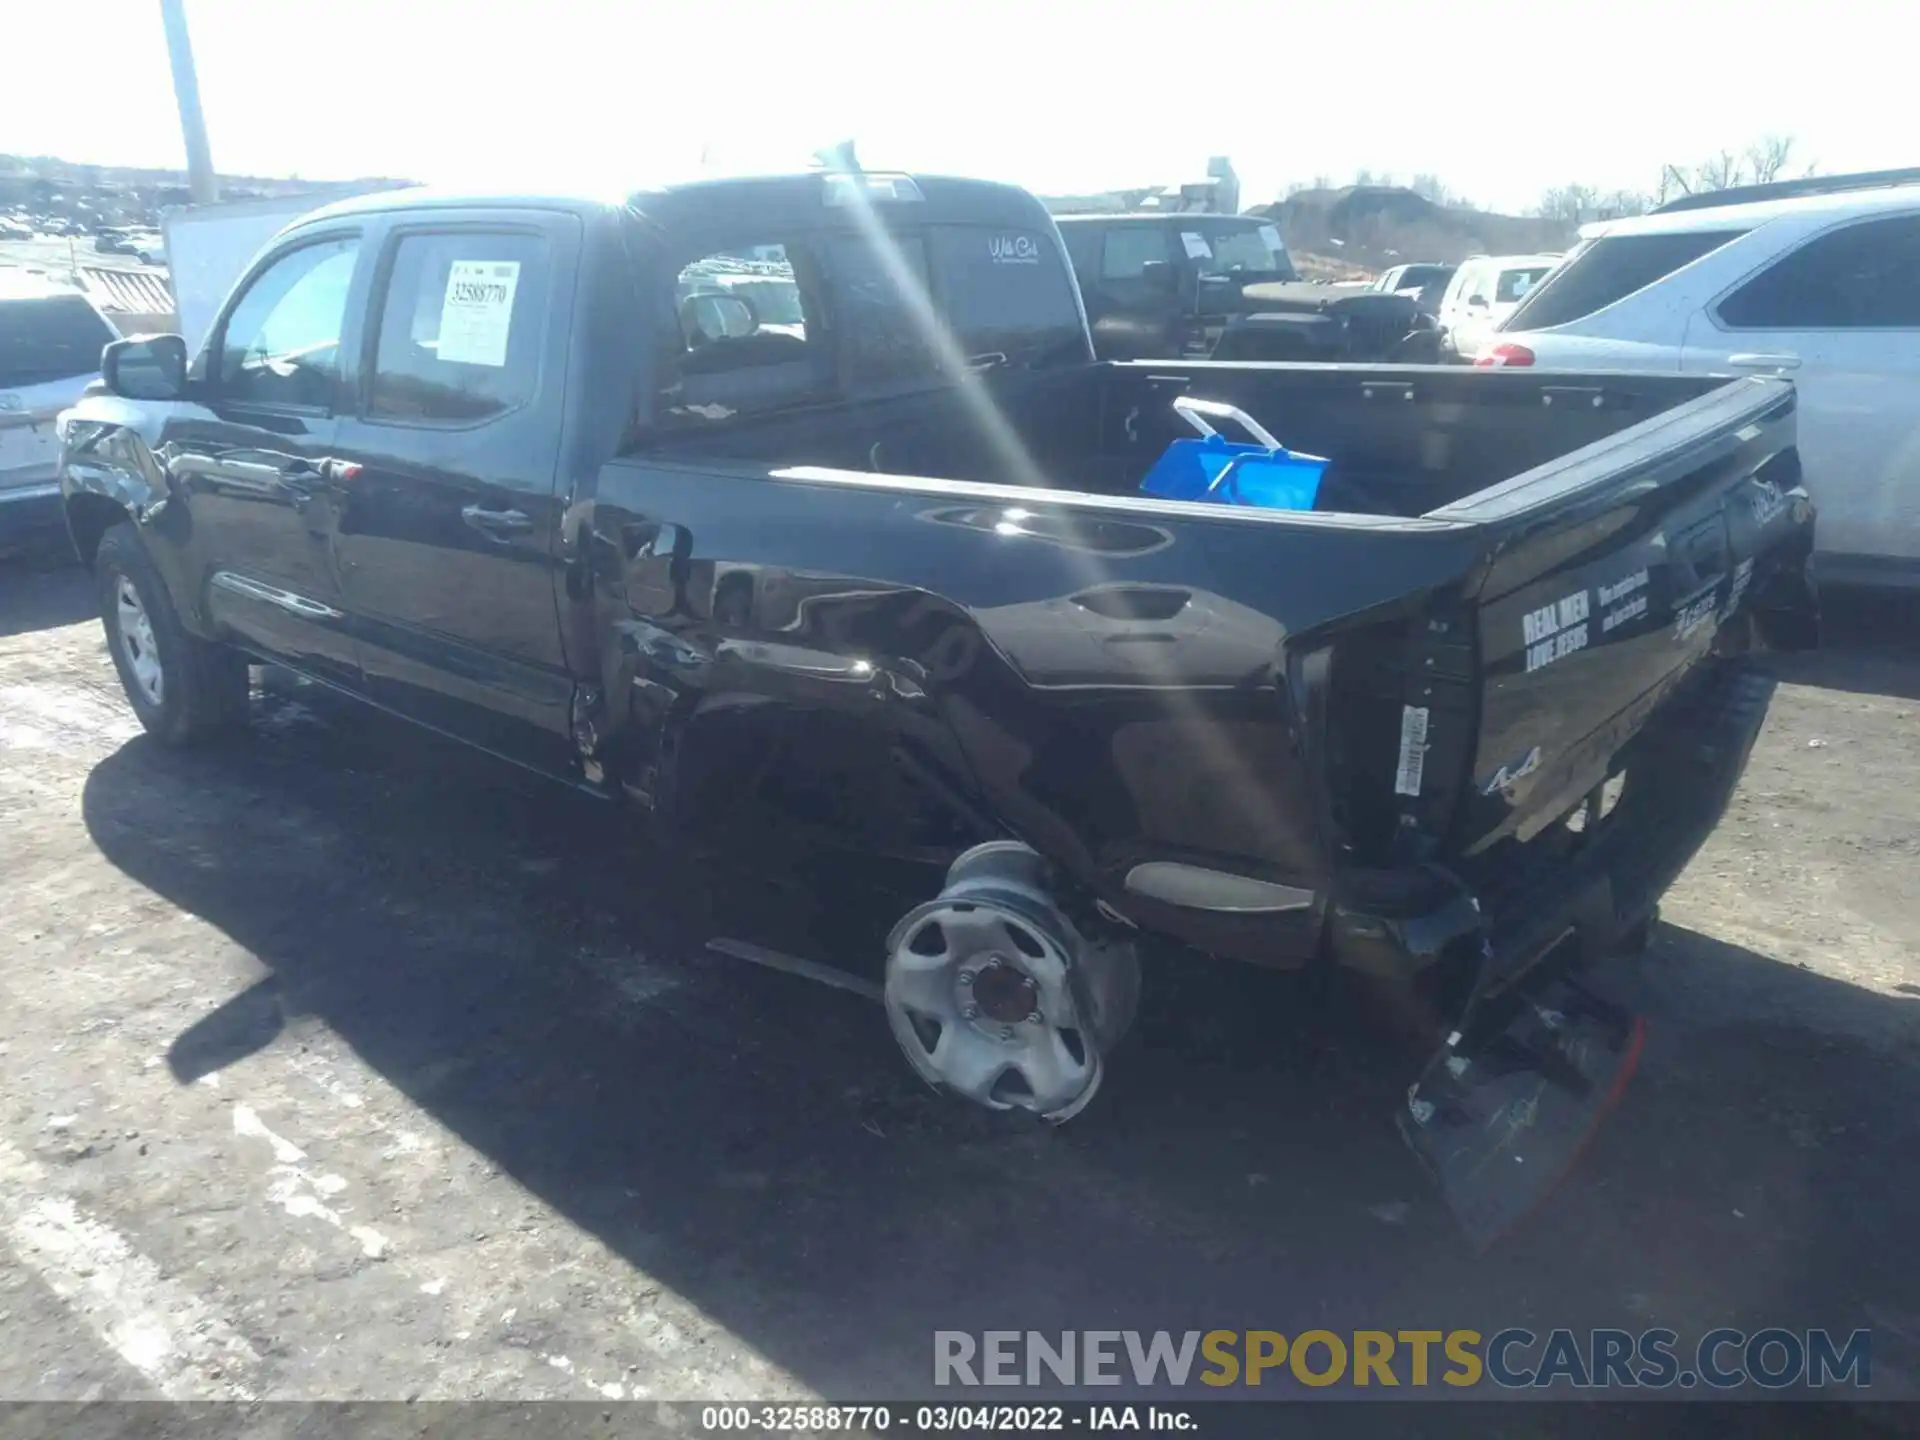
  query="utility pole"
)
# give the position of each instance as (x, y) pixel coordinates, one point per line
(186, 90)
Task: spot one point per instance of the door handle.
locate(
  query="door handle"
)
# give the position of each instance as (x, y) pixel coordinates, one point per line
(1750, 360)
(496, 524)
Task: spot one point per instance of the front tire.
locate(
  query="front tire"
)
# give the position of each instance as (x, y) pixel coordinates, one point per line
(182, 688)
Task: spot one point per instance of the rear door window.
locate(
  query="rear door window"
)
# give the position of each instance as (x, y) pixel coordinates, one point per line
(1130, 249)
(1603, 271)
(1864, 276)
(1249, 250)
(54, 337)
(1513, 285)
(460, 328)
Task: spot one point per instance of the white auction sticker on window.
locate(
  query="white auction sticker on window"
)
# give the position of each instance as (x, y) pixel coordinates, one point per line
(1270, 237)
(1197, 247)
(478, 311)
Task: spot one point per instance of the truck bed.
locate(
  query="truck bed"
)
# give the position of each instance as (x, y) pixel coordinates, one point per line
(1507, 577)
(1403, 440)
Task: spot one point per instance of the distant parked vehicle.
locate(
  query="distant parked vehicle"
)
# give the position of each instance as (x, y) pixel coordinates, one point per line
(112, 242)
(15, 230)
(1167, 284)
(1427, 283)
(150, 249)
(1223, 287)
(1482, 293)
(1816, 280)
(51, 337)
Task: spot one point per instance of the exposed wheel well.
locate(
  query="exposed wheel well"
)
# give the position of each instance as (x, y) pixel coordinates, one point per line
(88, 518)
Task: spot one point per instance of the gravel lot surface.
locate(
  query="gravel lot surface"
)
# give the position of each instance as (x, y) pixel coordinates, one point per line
(348, 1064)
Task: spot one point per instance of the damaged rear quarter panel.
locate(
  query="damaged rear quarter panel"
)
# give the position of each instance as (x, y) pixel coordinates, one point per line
(1102, 678)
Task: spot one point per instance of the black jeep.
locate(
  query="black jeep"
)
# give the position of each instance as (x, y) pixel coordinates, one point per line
(1223, 287)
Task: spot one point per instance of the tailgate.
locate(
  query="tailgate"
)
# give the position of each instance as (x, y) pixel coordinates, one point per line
(1617, 573)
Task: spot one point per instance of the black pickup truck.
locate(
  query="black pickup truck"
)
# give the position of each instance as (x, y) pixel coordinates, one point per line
(808, 494)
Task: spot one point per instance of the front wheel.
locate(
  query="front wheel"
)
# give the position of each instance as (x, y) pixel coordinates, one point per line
(182, 688)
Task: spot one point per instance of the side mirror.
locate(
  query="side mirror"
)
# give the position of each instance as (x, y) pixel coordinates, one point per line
(1477, 302)
(146, 367)
(1160, 275)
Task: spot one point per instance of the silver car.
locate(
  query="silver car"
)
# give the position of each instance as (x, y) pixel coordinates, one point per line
(51, 337)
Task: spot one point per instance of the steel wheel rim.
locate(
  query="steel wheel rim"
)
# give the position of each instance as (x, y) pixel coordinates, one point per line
(137, 643)
(972, 1053)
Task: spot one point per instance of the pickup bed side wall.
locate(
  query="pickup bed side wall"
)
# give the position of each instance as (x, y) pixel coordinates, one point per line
(1104, 678)
(1403, 440)
(1595, 619)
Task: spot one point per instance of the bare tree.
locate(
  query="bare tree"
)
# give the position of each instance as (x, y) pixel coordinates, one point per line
(1618, 203)
(1569, 204)
(1768, 157)
(1672, 185)
(1722, 172)
(1433, 188)
(1765, 160)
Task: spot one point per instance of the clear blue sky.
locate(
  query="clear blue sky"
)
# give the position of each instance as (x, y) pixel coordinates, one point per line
(1500, 98)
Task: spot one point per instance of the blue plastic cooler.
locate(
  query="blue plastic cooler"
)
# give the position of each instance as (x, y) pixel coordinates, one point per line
(1219, 471)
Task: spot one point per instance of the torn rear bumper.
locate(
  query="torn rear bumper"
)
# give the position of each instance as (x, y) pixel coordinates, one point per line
(1680, 776)
(1547, 1037)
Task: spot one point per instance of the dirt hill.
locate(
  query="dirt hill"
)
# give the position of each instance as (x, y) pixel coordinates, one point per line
(1374, 226)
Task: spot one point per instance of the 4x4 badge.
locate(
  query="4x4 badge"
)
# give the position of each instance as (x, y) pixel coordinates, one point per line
(1512, 772)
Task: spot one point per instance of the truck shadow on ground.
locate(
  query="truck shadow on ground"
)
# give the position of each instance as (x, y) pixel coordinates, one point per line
(43, 590)
(1870, 643)
(520, 964)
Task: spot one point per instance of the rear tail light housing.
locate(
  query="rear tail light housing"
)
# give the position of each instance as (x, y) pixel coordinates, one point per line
(1496, 356)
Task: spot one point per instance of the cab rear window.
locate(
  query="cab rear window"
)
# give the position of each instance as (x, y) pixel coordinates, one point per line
(1006, 294)
(859, 313)
(953, 293)
(1600, 272)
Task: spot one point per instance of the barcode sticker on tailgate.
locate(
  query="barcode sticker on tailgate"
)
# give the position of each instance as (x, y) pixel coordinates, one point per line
(1413, 749)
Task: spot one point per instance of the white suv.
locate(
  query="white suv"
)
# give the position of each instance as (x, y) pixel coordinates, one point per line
(1823, 288)
(1482, 293)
